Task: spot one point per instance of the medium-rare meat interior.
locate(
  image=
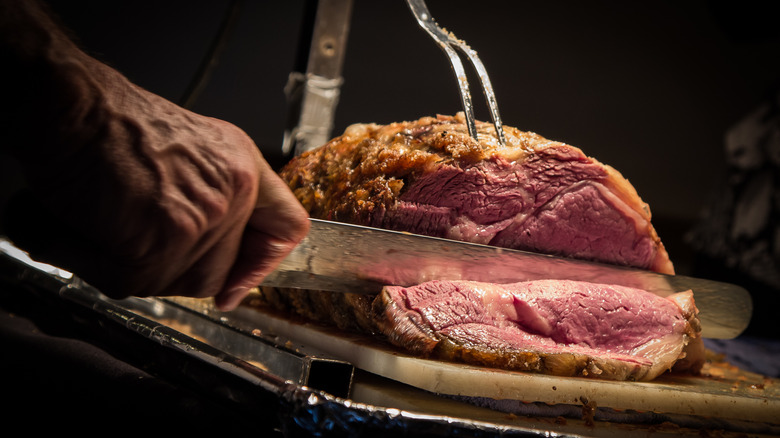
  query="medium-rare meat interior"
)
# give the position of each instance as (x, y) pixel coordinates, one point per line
(558, 327)
(430, 177)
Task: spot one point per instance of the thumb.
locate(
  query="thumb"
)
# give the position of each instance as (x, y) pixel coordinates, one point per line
(278, 223)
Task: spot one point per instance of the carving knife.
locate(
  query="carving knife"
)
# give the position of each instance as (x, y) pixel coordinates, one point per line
(340, 257)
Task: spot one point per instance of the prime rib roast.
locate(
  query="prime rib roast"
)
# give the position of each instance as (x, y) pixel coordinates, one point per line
(430, 177)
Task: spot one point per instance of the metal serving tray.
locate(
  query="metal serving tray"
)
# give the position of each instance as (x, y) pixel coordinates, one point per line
(300, 390)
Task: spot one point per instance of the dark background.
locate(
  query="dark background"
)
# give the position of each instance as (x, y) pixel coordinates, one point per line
(649, 88)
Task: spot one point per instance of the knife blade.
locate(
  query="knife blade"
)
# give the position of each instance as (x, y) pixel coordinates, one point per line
(341, 257)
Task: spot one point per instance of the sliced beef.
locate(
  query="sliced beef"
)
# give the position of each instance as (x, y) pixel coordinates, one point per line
(564, 328)
(429, 177)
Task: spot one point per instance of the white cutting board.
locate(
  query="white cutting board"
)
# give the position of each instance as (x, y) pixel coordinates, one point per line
(723, 391)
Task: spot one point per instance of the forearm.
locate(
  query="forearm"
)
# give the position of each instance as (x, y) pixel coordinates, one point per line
(53, 95)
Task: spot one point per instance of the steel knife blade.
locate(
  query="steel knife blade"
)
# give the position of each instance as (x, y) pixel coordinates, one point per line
(341, 257)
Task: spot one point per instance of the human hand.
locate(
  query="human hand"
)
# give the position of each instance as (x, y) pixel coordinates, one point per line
(132, 193)
(147, 198)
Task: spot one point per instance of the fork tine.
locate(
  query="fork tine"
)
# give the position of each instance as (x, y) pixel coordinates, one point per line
(425, 20)
(487, 89)
(446, 40)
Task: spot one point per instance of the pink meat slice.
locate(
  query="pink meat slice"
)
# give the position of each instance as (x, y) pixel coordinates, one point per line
(566, 328)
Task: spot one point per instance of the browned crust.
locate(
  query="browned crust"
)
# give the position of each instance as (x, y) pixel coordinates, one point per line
(361, 174)
(400, 331)
(554, 364)
(366, 168)
(364, 171)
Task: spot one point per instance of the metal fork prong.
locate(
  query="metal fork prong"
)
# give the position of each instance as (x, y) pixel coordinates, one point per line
(446, 40)
(425, 20)
(487, 88)
(463, 86)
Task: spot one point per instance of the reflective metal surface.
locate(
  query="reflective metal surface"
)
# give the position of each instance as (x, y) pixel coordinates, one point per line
(349, 258)
(448, 42)
(313, 90)
(302, 394)
(265, 376)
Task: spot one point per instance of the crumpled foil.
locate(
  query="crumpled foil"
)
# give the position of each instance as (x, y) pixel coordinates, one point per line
(304, 412)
